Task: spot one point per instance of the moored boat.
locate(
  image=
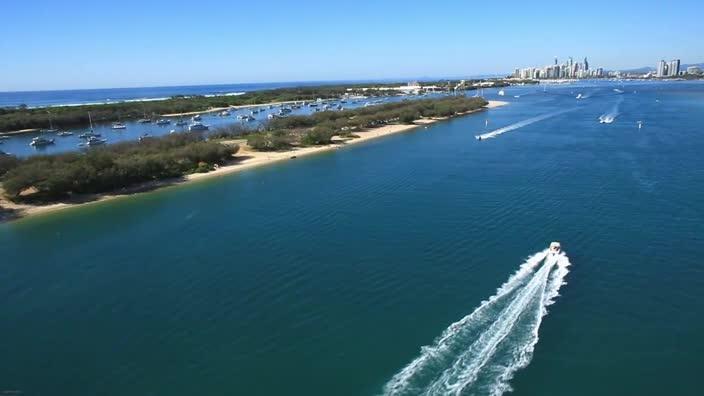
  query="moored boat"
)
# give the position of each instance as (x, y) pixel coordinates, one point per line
(40, 141)
(197, 126)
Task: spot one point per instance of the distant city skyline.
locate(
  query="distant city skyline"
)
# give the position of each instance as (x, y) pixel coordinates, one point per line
(78, 44)
(568, 69)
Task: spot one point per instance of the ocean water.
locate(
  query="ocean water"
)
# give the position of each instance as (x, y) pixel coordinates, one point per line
(374, 269)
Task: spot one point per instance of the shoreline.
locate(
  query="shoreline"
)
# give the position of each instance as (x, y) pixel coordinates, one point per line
(248, 159)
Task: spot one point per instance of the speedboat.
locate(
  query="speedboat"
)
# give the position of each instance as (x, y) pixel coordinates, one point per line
(579, 96)
(118, 125)
(501, 92)
(554, 248)
(41, 141)
(197, 126)
(606, 119)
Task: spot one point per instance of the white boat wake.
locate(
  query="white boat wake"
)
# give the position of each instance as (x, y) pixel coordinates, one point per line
(608, 118)
(520, 124)
(480, 353)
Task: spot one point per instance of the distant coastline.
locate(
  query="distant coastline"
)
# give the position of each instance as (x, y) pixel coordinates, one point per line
(24, 119)
(245, 159)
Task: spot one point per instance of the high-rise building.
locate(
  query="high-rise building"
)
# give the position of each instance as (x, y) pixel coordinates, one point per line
(674, 68)
(586, 64)
(661, 71)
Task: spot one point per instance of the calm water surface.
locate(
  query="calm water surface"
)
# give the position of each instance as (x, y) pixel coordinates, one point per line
(326, 275)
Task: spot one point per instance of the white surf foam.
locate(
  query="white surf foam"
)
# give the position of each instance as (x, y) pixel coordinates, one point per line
(485, 348)
(610, 116)
(521, 124)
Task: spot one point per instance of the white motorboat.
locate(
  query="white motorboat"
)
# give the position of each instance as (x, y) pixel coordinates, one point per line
(554, 249)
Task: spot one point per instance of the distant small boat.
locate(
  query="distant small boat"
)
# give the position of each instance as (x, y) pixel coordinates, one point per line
(51, 128)
(640, 124)
(144, 121)
(144, 136)
(88, 135)
(181, 123)
(224, 113)
(579, 96)
(4, 137)
(516, 96)
(197, 126)
(196, 117)
(41, 141)
(618, 91)
(554, 248)
(501, 92)
(606, 119)
(64, 133)
(118, 125)
(94, 141)
(163, 121)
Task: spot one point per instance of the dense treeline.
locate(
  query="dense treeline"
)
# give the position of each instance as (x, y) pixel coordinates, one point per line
(110, 168)
(13, 119)
(319, 128)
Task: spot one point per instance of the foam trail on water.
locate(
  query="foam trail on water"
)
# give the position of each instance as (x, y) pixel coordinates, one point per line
(520, 124)
(611, 115)
(483, 350)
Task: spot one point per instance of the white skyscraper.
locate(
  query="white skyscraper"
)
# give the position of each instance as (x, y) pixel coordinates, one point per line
(674, 67)
(661, 71)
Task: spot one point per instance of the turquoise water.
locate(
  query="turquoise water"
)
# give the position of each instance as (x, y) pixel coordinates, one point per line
(326, 275)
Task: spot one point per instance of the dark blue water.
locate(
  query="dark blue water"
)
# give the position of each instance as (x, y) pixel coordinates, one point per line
(326, 275)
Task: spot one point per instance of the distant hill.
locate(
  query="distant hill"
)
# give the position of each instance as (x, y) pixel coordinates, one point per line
(645, 69)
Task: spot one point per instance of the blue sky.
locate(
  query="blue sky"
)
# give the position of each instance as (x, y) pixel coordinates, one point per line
(89, 44)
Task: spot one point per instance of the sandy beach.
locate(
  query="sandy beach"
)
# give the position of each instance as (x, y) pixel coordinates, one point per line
(245, 158)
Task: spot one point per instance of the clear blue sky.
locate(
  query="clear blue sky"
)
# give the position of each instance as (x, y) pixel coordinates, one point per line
(54, 44)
